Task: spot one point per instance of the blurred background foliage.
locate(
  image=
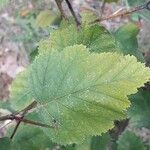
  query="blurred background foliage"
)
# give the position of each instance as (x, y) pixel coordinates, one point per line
(23, 23)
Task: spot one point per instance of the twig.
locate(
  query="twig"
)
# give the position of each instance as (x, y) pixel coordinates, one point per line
(33, 104)
(138, 8)
(102, 8)
(16, 127)
(59, 5)
(33, 122)
(20, 119)
(11, 116)
(73, 13)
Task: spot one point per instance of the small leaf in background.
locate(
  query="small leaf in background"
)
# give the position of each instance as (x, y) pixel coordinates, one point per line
(126, 35)
(46, 18)
(31, 138)
(85, 145)
(101, 142)
(129, 141)
(95, 37)
(143, 13)
(76, 92)
(139, 112)
(5, 143)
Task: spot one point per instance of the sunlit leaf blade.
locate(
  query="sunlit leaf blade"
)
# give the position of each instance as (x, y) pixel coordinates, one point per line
(95, 37)
(101, 142)
(129, 141)
(127, 37)
(139, 111)
(82, 93)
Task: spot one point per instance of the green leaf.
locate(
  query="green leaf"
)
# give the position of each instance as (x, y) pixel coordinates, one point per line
(46, 18)
(82, 93)
(101, 142)
(129, 141)
(27, 137)
(139, 111)
(6, 105)
(87, 17)
(5, 144)
(20, 94)
(127, 37)
(144, 13)
(84, 146)
(30, 137)
(95, 37)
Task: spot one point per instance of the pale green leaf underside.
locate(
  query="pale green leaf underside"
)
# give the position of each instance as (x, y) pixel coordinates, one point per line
(82, 93)
(95, 37)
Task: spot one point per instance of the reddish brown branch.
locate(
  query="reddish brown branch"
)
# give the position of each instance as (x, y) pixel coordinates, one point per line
(138, 8)
(15, 116)
(24, 112)
(31, 122)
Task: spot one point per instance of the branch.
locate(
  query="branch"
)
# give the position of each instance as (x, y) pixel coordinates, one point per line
(11, 116)
(138, 8)
(59, 5)
(20, 119)
(33, 122)
(25, 111)
(73, 13)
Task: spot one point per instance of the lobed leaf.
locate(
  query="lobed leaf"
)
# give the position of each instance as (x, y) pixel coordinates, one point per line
(82, 93)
